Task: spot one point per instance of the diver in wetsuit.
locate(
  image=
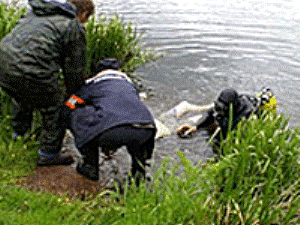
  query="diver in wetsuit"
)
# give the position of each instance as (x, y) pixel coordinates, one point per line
(218, 117)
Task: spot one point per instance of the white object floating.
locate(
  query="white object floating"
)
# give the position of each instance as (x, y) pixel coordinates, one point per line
(162, 130)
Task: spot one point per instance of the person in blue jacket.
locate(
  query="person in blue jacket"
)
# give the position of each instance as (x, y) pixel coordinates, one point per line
(108, 113)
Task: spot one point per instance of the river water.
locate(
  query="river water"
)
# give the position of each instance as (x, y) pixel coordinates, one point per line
(212, 45)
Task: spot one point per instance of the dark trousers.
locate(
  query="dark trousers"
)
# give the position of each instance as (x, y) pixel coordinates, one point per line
(29, 95)
(139, 143)
(52, 133)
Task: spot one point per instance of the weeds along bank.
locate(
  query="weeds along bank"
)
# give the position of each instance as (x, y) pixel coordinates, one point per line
(255, 181)
(9, 16)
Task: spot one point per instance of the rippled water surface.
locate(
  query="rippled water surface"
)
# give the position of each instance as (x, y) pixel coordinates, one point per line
(212, 45)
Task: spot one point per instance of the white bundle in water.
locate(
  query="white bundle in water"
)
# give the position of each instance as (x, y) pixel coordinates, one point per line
(168, 122)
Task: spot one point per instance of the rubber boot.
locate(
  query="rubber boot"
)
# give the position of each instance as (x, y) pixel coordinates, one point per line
(90, 166)
(54, 160)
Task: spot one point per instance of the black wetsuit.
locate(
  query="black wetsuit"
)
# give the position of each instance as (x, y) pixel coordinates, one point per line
(212, 119)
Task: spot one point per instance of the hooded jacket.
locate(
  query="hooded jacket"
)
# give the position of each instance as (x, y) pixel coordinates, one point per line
(49, 39)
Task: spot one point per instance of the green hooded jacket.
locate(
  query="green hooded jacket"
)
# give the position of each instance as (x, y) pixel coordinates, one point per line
(49, 39)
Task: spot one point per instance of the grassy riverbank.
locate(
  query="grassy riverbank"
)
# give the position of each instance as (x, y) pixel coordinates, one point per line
(256, 180)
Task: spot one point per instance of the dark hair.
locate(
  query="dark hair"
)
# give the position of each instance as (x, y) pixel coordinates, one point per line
(82, 6)
(105, 64)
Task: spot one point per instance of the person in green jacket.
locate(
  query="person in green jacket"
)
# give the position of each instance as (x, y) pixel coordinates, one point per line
(49, 39)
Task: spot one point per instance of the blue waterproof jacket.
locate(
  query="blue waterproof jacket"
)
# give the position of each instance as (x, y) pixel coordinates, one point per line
(108, 103)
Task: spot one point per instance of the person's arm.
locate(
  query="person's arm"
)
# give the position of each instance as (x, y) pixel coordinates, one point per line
(206, 120)
(76, 100)
(79, 99)
(74, 57)
(193, 125)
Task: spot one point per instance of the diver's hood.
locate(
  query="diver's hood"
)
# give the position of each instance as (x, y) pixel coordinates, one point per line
(228, 96)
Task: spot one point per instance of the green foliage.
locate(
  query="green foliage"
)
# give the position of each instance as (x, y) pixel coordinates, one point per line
(169, 199)
(9, 16)
(256, 180)
(115, 39)
(21, 207)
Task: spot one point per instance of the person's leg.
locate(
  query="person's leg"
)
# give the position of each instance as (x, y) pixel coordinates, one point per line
(140, 152)
(184, 107)
(52, 136)
(21, 117)
(90, 166)
(139, 143)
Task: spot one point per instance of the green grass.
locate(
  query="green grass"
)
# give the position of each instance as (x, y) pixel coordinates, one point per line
(112, 38)
(19, 206)
(16, 157)
(255, 182)
(9, 16)
(257, 177)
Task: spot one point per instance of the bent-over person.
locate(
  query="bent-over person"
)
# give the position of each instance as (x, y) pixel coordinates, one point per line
(50, 38)
(108, 113)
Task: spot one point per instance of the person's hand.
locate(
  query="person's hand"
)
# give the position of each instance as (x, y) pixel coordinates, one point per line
(186, 130)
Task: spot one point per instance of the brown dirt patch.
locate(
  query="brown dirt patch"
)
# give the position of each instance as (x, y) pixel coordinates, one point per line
(62, 181)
